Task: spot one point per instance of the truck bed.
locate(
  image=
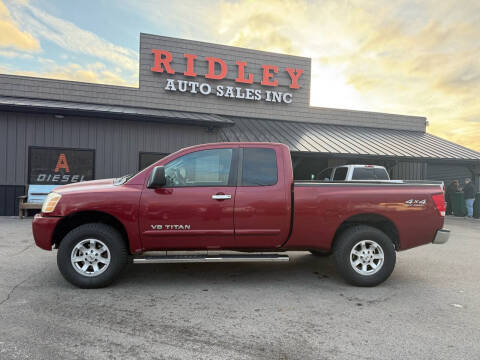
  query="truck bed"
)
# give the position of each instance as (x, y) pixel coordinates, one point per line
(321, 208)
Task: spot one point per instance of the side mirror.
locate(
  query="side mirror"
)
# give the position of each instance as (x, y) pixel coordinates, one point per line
(157, 178)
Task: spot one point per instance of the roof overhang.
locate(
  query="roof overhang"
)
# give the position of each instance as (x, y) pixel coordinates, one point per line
(111, 111)
(348, 141)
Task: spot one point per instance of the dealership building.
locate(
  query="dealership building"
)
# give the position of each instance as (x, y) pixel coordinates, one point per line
(56, 132)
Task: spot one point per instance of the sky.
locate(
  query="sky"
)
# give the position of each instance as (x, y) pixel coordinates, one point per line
(404, 57)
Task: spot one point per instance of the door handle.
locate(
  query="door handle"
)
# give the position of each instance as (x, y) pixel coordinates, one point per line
(221, 197)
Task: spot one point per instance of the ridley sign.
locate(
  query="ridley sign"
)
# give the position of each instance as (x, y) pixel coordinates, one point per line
(217, 70)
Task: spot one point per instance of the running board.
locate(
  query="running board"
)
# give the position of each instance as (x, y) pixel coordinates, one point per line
(209, 258)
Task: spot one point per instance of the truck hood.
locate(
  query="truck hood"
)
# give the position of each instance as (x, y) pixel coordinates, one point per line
(85, 186)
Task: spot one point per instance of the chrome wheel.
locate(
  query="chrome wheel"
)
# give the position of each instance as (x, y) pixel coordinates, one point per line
(90, 257)
(367, 257)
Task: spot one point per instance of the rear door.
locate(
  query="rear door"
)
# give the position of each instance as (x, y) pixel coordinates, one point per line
(262, 202)
(195, 208)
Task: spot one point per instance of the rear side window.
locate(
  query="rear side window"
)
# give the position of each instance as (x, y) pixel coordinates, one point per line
(259, 167)
(340, 173)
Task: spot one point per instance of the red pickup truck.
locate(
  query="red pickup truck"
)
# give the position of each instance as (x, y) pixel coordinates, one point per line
(234, 202)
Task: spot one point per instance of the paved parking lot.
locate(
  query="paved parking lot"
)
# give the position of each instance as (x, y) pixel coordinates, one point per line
(429, 308)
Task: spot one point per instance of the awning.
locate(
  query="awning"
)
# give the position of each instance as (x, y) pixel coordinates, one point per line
(347, 140)
(109, 111)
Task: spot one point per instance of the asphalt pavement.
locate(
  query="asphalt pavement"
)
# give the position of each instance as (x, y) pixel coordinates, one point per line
(428, 309)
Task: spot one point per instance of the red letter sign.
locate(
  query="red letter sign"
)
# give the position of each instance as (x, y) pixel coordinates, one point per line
(211, 68)
(162, 57)
(62, 163)
(241, 73)
(267, 75)
(190, 62)
(294, 75)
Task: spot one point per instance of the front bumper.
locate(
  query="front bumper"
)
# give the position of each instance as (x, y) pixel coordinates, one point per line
(442, 236)
(43, 228)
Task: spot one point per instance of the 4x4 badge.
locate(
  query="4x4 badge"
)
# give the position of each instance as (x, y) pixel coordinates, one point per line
(415, 202)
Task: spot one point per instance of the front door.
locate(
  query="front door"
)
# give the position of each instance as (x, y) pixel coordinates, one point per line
(195, 208)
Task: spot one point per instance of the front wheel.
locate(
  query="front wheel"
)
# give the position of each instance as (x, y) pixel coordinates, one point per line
(364, 255)
(92, 255)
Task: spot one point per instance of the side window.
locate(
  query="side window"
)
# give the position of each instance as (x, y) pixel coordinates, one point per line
(259, 167)
(340, 173)
(200, 168)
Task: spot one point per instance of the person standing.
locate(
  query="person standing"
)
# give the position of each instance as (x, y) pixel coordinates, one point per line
(469, 193)
(451, 189)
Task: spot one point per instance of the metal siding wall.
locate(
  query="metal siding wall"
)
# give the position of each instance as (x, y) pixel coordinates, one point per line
(8, 199)
(333, 162)
(117, 143)
(448, 172)
(409, 170)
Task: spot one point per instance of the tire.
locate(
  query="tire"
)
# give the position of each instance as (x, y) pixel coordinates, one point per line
(358, 255)
(320, 253)
(95, 247)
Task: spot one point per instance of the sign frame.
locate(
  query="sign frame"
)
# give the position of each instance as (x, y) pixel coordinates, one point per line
(32, 147)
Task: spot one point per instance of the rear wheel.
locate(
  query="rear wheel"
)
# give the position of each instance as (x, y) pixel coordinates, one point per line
(92, 255)
(364, 255)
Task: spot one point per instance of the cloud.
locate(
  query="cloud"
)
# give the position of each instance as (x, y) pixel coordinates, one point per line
(400, 57)
(70, 37)
(15, 54)
(91, 73)
(12, 37)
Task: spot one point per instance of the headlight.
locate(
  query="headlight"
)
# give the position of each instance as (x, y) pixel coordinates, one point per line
(50, 202)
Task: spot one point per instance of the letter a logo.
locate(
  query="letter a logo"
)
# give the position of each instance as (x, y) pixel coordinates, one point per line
(62, 163)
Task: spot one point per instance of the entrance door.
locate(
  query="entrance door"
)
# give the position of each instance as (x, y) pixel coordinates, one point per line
(195, 208)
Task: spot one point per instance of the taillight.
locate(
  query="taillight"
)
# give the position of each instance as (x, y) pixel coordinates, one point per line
(439, 201)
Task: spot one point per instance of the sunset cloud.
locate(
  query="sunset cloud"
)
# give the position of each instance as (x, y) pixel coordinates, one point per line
(91, 73)
(399, 57)
(12, 37)
(77, 42)
(72, 38)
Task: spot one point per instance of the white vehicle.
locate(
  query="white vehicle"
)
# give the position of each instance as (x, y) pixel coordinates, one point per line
(354, 173)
